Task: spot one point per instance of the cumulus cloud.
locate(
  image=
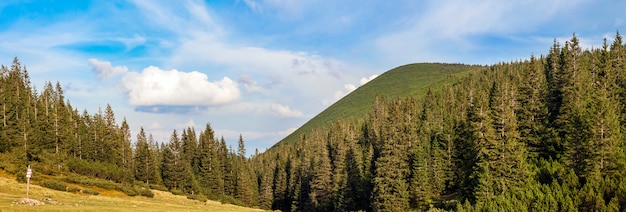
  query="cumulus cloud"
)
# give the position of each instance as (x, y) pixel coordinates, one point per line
(154, 87)
(284, 111)
(347, 88)
(367, 79)
(105, 70)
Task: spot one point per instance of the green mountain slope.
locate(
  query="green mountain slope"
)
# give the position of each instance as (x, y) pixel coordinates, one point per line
(408, 80)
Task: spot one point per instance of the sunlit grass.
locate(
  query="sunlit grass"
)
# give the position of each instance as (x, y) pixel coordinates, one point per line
(108, 200)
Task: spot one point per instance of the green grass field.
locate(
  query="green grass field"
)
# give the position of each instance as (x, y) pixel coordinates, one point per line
(408, 80)
(11, 191)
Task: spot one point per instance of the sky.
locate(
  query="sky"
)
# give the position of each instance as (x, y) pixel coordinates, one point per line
(262, 68)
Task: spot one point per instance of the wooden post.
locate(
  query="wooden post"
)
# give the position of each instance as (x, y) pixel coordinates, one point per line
(29, 172)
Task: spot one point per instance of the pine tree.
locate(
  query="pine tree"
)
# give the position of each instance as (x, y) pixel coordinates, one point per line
(144, 167)
(125, 147)
(532, 112)
(208, 165)
(176, 172)
(321, 182)
(572, 120)
(244, 188)
(390, 187)
(501, 164)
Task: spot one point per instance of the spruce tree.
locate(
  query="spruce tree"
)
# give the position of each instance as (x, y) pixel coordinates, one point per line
(390, 187)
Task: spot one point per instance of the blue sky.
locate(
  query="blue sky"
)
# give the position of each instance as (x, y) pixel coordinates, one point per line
(262, 68)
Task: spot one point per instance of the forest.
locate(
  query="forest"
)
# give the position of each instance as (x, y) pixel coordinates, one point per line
(540, 134)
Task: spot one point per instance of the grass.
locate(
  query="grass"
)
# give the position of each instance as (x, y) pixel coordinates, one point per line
(404, 81)
(108, 200)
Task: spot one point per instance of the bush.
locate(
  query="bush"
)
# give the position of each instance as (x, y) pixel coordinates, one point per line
(176, 192)
(230, 200)
(99, 169)
(158, 187)
(89, 191)
(106, 184)
(54, 184)
(20, 177)
(73, 189)
(130, 191)
(146, 192)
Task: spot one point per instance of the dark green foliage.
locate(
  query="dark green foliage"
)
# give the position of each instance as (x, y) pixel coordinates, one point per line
(54, 184)
(98, 169)
(158, 187)
(89, 191)
(177, 192)
(128, 190)
(73, 189)
(20, 177)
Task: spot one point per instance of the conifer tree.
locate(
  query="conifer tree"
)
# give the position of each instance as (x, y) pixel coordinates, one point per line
(501, 164)
(208, 165)
(144, 167)
(390, 187)
(532, 111)
(321, 182)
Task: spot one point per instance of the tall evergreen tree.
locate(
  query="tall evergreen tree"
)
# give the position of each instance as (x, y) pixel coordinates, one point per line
(390, 187)
(144, 159)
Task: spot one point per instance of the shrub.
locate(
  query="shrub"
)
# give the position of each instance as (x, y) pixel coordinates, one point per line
(73, 189)
(89, 191)
(146, 192)
(20, 177)
(99, 169)
(106, 184)
(158, 187)
(176, 192)
(230, 200)
(128, 190)
(54, 184)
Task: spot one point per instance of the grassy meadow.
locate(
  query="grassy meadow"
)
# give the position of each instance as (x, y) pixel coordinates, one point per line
(11, 191)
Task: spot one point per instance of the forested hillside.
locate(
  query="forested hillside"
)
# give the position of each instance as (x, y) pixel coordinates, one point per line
(408, 80)
(63, 145)
(542, 134)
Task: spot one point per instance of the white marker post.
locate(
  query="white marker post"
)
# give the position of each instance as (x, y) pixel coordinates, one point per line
(29, 172)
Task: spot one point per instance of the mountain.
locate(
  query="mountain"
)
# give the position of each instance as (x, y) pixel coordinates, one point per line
(404, 81)
(540, 134)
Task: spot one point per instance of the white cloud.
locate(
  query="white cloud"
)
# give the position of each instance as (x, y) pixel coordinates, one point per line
(367, 79)
(250, 85)
(191, 123)
(283, 111)
(274, 109)
(348, 88)
(253, 135)
(446, 31)
(154, 86)
(105, 70)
